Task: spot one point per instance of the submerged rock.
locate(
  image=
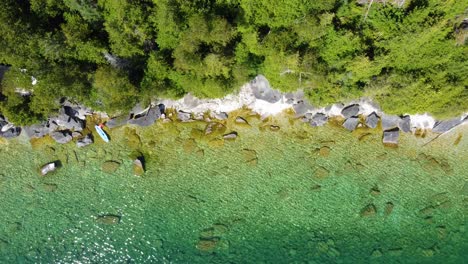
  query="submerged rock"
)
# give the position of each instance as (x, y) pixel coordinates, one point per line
(372, 120)
(351, 123)
(262, 90)
(350, 110)
(109, 219)
(391, 136)
(368, 210)
(110, 166)
(62, 137)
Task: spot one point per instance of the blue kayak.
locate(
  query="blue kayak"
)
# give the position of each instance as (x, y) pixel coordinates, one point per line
(101, 133)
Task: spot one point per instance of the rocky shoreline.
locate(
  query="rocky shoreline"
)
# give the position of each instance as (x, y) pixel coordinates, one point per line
(257, 95)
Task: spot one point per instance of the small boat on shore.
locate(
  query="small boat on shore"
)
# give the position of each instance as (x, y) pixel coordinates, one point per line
(101, 133)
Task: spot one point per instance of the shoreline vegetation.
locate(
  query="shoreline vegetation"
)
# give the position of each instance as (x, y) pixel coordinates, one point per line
(408, 56)
(76, 122)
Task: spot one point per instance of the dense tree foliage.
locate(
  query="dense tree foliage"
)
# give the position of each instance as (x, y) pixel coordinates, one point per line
(110, 54)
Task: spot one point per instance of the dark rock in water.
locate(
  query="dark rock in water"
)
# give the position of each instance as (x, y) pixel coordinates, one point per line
(444, 126)
(49, 187)
(465, 189)
(241, 120)
(372, 120)
(110, 166)
(388, 208)
(38, 130)
(302, 107)
(351, 123)
(146, 119)
(390, 122)
(350, 110)
(295, 97)
(11, 132)
(368, 210)
(321, 173)
(62, 137)
(319, 119)
(214, 128)
(184, 116)
(405, 124)
(109, 219)
(232, 135)
(85, 141)
(262, 90)
(117, 121)
(391, 136)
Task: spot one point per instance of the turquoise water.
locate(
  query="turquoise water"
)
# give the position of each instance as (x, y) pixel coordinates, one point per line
(293, 195)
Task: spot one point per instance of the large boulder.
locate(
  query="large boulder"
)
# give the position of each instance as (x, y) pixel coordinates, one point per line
(390, 122)
(75, 110)
(67, 122)
(61, 137)
(351, 123)
(405, 124)
(372, 120)
(146, 119)
(350, 110)
(391, 136)
(302, 107)
(11, 132)
(39, 130)
(319, 119)
(85, 141)
(446, 125)
(262, 90)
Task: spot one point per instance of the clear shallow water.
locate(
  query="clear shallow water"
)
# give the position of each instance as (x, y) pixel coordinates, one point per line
(297, 195)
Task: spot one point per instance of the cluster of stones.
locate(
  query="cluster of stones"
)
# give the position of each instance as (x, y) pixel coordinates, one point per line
(391, 125)
(70, 122)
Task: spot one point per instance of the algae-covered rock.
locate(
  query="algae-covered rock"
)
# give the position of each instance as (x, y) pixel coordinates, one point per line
(250, 156)
(110, 166)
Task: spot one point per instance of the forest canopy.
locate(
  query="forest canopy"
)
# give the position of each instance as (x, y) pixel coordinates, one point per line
(410, 56)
